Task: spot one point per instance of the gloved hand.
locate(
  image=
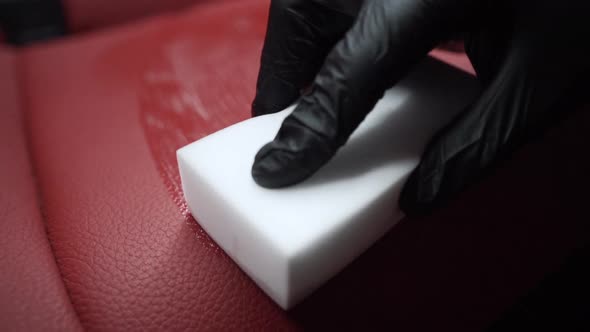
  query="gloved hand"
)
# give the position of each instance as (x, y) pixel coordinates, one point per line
(528, 54)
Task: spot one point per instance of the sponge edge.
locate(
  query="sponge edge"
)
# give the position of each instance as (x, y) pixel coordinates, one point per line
(292, 240)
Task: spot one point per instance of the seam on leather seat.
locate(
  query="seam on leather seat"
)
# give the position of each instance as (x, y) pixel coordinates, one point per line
(25, 116)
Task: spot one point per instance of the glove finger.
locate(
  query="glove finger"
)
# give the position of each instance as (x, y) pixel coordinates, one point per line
(299, 35)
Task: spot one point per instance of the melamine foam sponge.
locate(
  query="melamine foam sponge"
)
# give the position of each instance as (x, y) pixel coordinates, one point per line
(290, 241)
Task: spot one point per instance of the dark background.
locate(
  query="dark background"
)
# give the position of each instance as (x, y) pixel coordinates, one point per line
(26, 21)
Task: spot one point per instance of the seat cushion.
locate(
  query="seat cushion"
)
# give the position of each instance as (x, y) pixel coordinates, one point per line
(106, 113)
(32, 293)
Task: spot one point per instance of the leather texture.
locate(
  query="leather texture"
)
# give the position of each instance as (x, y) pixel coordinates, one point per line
(32, 293)
(105, 113)
(84, 15)
(129, 256)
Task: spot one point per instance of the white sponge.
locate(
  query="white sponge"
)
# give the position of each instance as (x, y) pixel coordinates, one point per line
(290, 241)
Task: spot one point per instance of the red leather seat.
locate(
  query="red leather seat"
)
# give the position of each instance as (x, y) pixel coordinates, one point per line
(100, 118)
(84, 15)
(32, 292)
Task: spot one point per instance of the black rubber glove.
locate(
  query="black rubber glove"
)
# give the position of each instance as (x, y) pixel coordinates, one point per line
(520, 63)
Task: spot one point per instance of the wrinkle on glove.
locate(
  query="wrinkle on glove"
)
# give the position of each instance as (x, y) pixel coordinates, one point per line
(299, 35)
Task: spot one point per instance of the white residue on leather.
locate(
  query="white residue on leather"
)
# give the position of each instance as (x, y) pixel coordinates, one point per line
(184, 77)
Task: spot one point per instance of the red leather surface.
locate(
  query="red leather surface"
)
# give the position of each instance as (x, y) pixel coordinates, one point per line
(107, 113)
(454, 58)
(91, 14)
(32, 294)
(130, 258)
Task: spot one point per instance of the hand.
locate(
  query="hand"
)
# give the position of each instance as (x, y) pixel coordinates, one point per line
(528, 54)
